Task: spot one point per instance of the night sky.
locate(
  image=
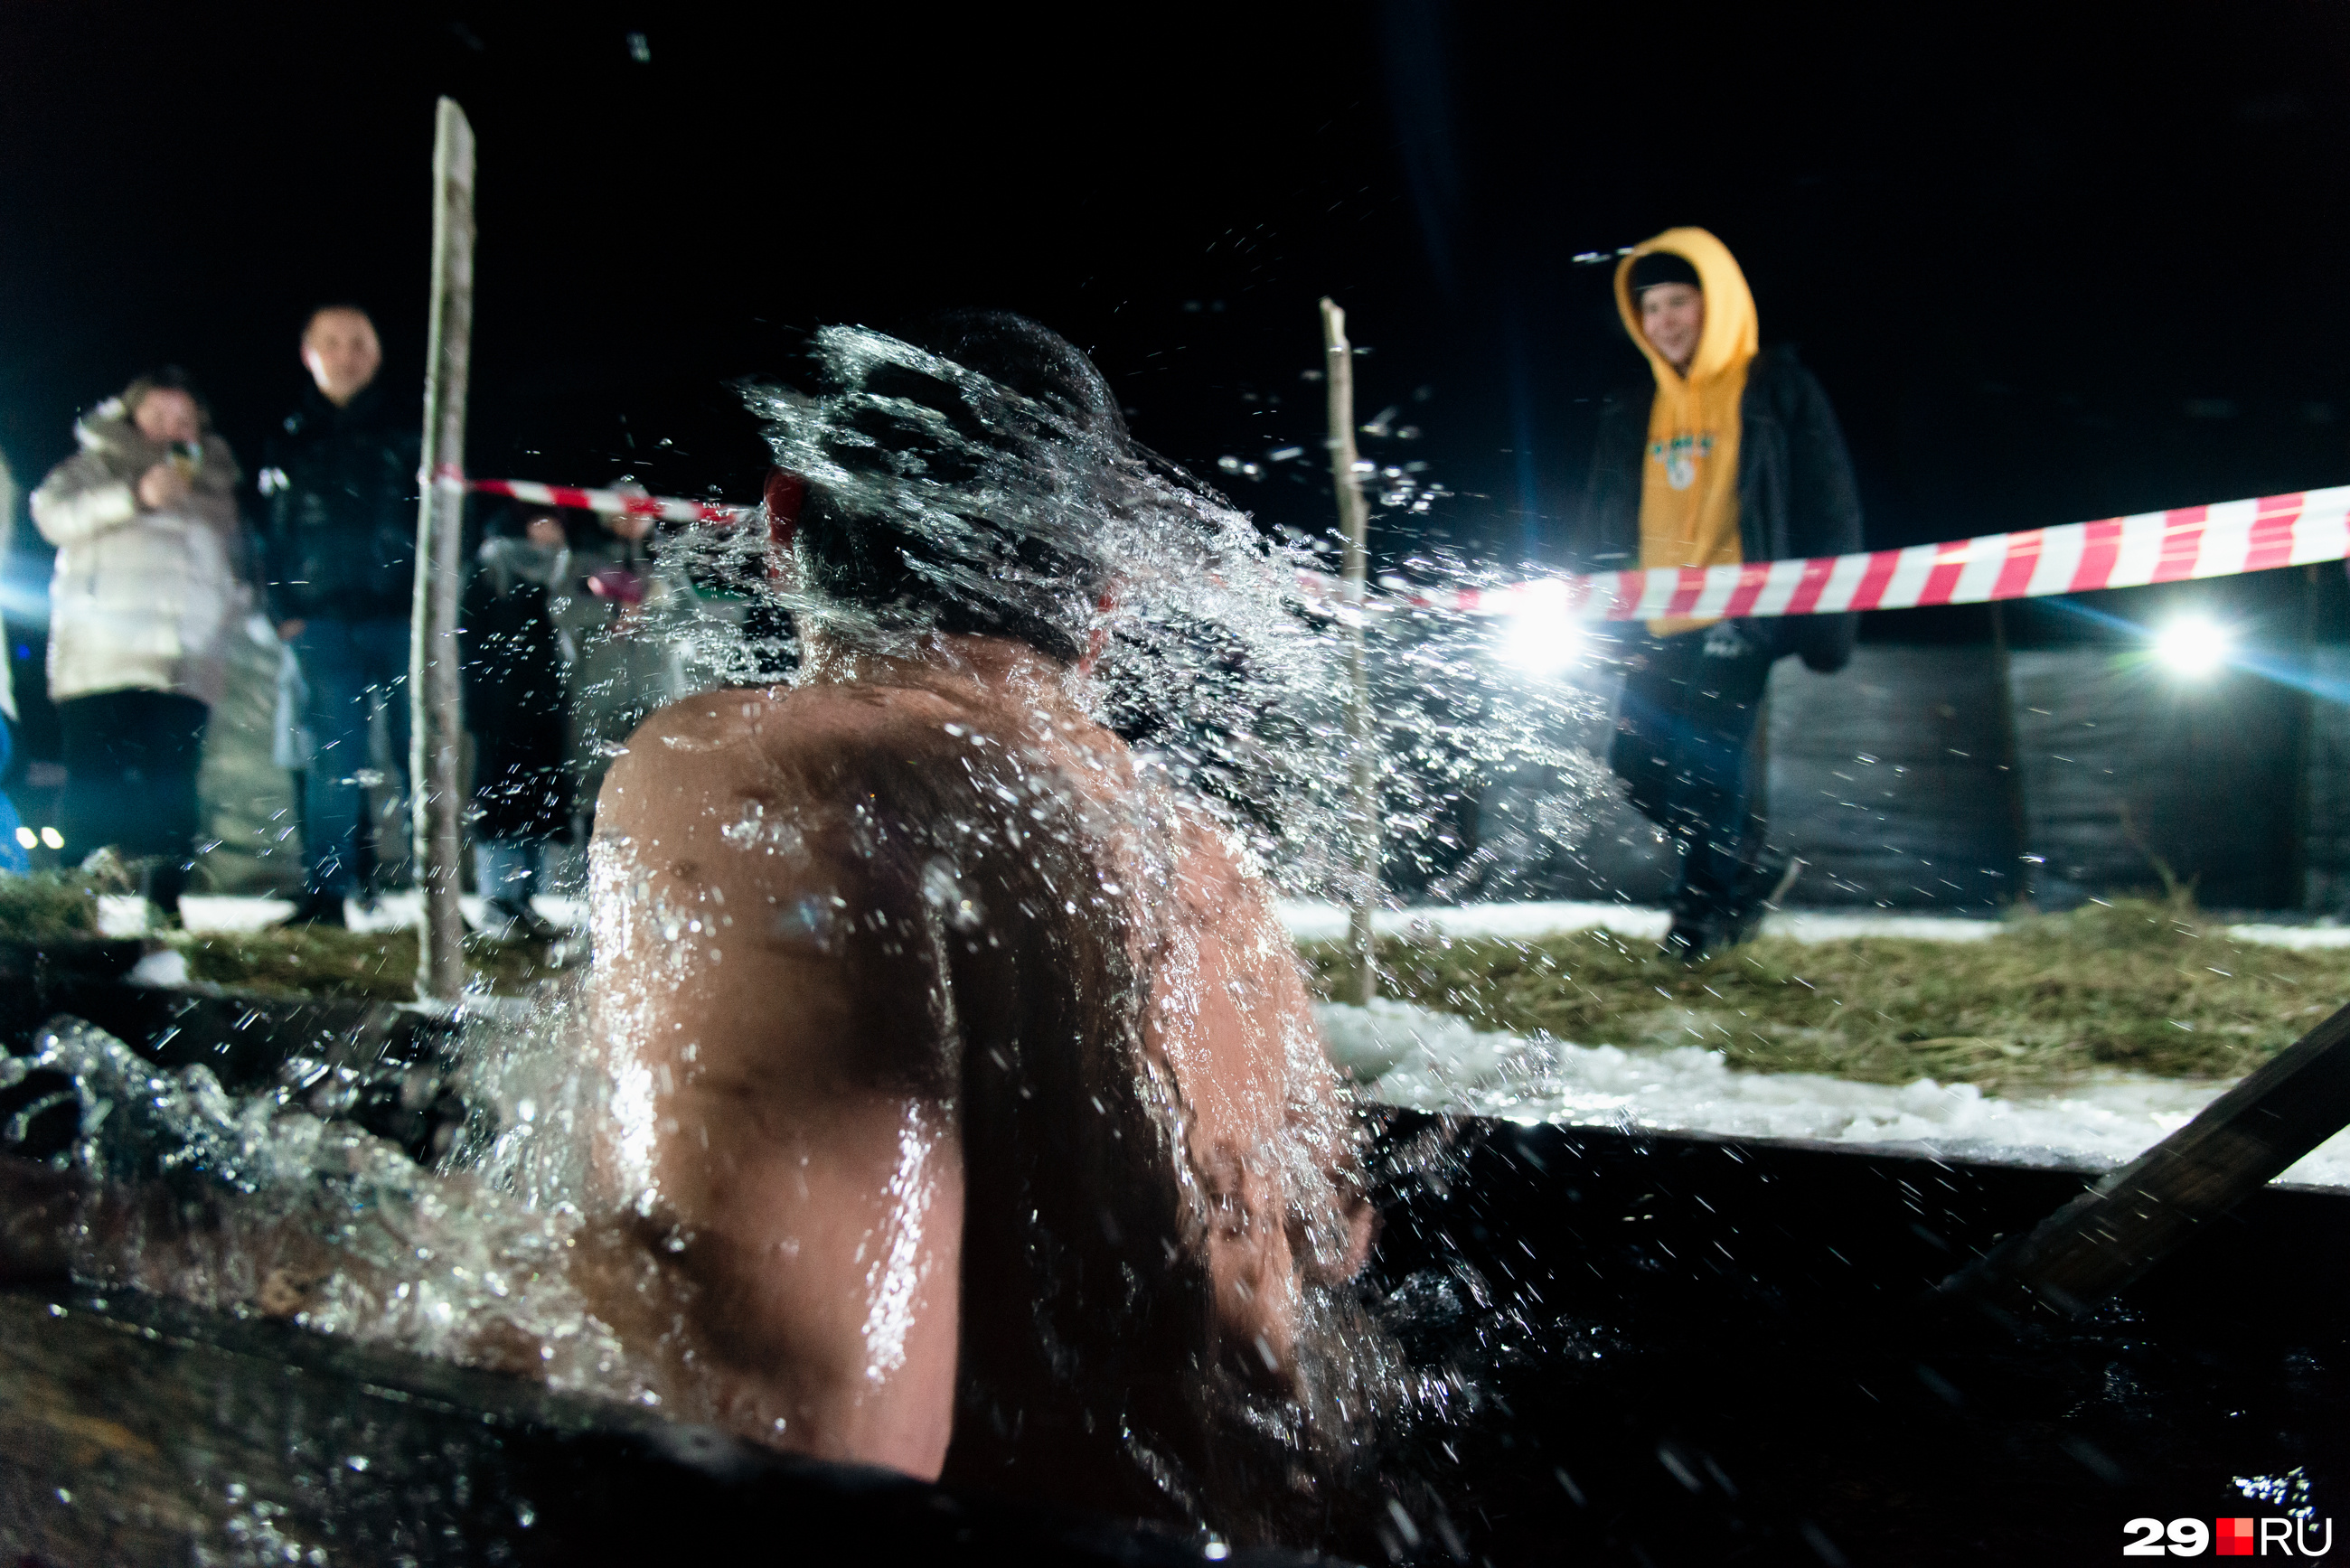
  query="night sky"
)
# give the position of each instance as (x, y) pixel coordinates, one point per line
(2050, 262)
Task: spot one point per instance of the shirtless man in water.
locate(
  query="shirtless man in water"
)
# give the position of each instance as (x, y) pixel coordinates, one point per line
(966, 1093)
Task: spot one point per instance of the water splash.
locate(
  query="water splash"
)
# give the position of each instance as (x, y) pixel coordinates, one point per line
(2288, 1492)
(256, 1204)
(896, 1274)
(1216, 661)
(1224, 674)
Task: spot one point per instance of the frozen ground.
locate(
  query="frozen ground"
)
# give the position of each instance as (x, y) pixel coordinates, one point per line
(1328, 922)
(1307, 922)
(1408, 1056)
(1405, 1055)
(205, 915)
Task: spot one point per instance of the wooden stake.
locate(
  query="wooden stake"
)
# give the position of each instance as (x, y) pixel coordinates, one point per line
(1354, 519)
(2139, 1214)
(436, 731)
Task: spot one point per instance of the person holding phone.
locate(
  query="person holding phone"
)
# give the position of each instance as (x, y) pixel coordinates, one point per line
(148, 587)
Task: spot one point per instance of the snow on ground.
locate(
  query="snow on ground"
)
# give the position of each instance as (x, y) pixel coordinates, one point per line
(123, 915)
(205, 915)
(1328, 922)
(2292, 935)
(1406, 1055)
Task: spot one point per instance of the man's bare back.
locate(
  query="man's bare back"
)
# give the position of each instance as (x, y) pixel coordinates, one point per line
(966, 1089)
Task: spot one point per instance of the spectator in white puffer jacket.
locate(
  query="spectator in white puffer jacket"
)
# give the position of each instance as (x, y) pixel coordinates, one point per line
(148, 588)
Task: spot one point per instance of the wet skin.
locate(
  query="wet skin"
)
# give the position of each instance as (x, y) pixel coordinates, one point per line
(789, 1123)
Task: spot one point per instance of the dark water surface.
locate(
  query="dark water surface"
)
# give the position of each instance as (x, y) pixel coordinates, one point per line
(1642, 1348)
(1685, 1350)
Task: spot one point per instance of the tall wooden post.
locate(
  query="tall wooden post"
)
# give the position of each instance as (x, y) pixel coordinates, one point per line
(1353, 518)
(435, 724)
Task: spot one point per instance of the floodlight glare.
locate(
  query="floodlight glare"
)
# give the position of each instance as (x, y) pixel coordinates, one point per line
(1542, 640)
(2192, 645)
(1542, 635)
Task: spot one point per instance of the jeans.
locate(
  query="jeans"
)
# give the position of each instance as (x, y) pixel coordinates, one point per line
(348, 666)
(1684, 744)
(130, 759)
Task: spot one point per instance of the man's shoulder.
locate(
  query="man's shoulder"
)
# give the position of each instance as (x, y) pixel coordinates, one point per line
(699, 761)
(783, 789)
(784, 733)
(391, 430)
(306, 421)
(1779, 375)
(298, 437)
(716, 727)
(378, 420)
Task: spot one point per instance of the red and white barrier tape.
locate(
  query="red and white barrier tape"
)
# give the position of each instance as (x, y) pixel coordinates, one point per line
(611, 503)
(2216, 541)
(2221, 540)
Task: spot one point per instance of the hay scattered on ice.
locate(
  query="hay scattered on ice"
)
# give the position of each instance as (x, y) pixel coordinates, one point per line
(1406, 1055)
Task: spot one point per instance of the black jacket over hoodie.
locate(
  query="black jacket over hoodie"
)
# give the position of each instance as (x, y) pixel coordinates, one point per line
(339, 487)
(1796, 497)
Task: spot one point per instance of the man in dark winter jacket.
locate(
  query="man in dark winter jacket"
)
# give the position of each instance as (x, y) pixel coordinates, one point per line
(1731, 455)
(339, 554)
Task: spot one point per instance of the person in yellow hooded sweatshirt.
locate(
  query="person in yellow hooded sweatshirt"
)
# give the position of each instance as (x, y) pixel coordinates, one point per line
(1730, 454)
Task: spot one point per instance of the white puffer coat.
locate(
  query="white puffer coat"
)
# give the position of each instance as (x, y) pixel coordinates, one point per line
(142, 600)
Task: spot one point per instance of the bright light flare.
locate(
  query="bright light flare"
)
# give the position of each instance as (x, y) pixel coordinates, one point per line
(1542, 637)
(2193, 647)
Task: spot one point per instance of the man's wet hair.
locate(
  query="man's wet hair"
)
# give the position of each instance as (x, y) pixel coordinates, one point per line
(1045, 590)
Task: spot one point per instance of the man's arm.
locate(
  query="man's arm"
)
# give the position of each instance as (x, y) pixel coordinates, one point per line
(1825, 498)
(781, 1131)
(1608, 532)
(1823, 513)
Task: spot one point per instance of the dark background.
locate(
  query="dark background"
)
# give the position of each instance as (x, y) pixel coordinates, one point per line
(2051, 263)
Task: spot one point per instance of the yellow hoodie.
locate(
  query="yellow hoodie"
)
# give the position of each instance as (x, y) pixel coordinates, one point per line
(1688, 482)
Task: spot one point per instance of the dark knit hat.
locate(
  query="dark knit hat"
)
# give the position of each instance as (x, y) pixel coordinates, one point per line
(1662, 266)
